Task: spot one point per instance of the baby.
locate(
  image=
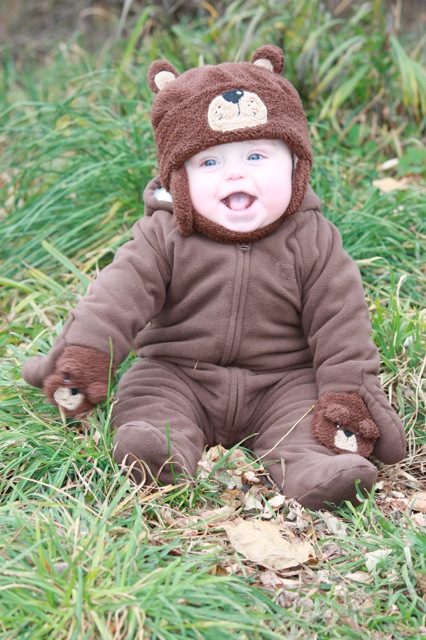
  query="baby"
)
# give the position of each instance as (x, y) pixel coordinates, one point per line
(247, 314)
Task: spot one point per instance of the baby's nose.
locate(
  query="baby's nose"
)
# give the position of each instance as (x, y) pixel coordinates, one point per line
(235, 171)
(235, 175)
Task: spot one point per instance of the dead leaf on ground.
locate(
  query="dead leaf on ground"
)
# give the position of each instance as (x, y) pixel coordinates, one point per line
(250, 476)
(359, 576)
(386, 185)
(332, 551)
(277, 501)
(215, 515)
(389, 164)
(334, 525)
(251, 502)
(374, 558)
(418, 502)
(323, 576)
(273, 505)
(262, 543)
(271, 580)
(419, 519)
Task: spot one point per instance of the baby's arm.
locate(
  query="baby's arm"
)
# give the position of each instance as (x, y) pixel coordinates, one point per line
(337, 324)
(100, 331)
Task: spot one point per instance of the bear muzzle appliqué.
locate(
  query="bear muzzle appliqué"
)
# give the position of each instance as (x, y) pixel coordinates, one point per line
(69, 398)
(345, 440)
(236, 109)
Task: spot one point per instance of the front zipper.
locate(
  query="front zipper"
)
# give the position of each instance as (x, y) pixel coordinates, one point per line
(239, 294)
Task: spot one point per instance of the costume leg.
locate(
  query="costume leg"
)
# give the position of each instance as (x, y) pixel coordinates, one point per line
(301, 467)
(157, 424)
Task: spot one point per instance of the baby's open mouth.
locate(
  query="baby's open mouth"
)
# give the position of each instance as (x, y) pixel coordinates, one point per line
(238, 201)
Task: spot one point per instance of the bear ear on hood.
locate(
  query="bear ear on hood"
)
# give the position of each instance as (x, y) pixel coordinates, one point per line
(160, 74)
(270, 57)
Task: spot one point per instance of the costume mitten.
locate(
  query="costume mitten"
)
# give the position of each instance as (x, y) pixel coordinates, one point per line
(342, 422)
(76, 381)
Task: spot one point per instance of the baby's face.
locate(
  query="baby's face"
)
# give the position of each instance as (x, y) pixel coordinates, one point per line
(242, 186)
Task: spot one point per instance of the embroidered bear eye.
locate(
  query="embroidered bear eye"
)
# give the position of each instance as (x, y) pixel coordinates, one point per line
(337, 426)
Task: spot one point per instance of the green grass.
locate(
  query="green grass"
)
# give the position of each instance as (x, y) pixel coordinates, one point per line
(81, 568)
(82, 555)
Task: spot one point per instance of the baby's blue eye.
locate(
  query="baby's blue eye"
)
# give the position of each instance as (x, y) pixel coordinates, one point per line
(209, 163)
(254, 156)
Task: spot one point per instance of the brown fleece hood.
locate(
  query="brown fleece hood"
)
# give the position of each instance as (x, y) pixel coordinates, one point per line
(213, 105)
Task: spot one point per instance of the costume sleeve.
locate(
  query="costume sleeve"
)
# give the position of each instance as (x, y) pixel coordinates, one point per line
(336, 322)
(335, 315)
(124, 297)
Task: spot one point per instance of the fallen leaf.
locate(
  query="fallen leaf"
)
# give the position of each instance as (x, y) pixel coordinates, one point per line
(276, 502)
(231, 497)
(262, 543)
(389, 164)
(252, 502)
(373, 558)
(386, 185)
(419, 519)
(418, 502)
(272, 506)
(359, 576)
(228, 479)
(332, 551)
(250, 476)
(324, 577)
(205, 469)
(334, 525)
(219, 570)
(214, 453)
(217, 514)
(271, 580)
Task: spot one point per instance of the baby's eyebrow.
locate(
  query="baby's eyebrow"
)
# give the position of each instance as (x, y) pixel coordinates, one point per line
(204, 155)
(198, 158)
(262, 144)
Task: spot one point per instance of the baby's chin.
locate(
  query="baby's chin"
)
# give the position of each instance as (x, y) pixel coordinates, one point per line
(242, 227)
(243, 223)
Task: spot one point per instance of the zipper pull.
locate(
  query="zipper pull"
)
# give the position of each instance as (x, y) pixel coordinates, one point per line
(244, 247)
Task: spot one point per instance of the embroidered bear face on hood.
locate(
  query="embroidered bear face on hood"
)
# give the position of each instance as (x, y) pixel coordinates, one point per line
(218, 104)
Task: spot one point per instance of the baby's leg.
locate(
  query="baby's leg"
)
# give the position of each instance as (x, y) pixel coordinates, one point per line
(301, 467)
(157, 424)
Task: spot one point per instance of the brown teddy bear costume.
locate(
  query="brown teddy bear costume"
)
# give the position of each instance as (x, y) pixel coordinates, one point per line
(239, 333)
